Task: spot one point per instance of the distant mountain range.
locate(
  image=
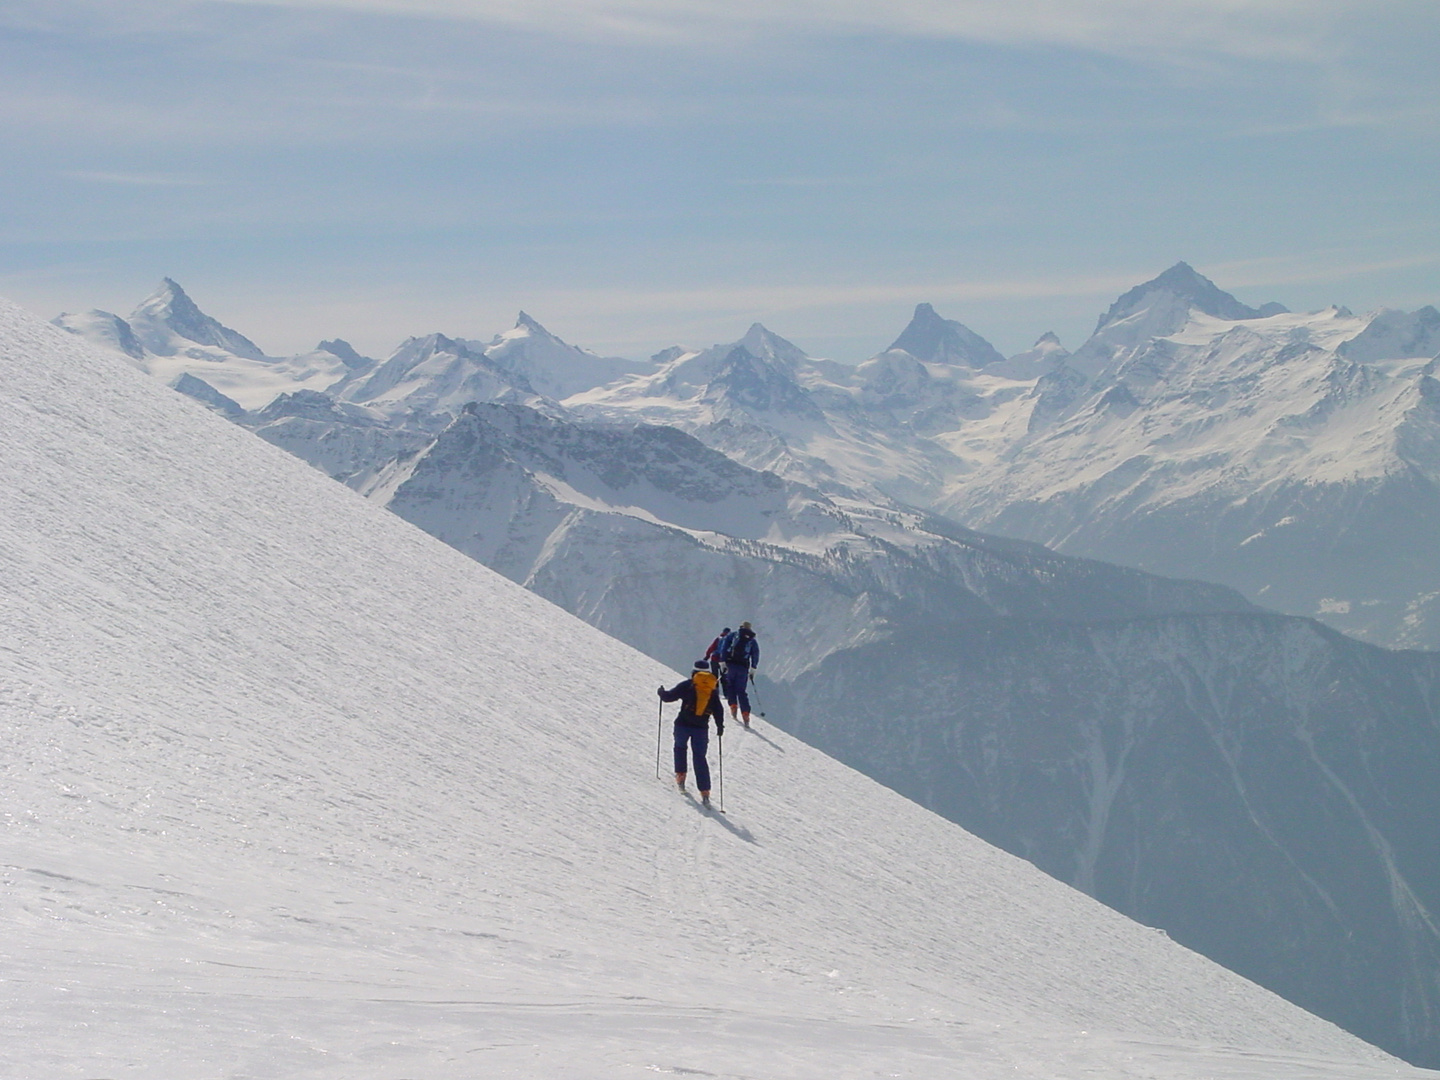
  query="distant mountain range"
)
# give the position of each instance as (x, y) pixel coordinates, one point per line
(1254, 783)
(1293, 457)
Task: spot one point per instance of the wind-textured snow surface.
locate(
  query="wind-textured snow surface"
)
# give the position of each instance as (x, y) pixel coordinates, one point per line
(289, 788)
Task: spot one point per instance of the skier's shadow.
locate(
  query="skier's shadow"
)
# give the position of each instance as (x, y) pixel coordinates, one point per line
(719, 815)
(766, 741)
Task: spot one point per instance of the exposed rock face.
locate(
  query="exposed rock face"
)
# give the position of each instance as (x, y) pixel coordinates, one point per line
(944, 341)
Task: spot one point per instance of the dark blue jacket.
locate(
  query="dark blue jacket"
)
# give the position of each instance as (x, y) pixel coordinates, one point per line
(749, 648)
(686, 693)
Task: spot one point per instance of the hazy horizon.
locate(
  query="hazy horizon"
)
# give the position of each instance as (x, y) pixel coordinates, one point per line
(638, 174)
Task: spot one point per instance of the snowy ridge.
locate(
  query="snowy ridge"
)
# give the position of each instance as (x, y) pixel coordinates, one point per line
(1261, 453)
(877, 429)
(170, 337)
(553, 367)
(427, 381)
(280, 798)
(610, 520)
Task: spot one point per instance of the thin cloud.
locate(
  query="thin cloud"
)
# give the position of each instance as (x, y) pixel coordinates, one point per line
(1270, 29)
(1325, 266)
(792, 297)
(135, 179)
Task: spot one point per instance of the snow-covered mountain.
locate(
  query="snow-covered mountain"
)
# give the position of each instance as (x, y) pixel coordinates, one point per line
(943, 341)
(553, 367)
(168, 336)
(1292, 456)
(1168, 444)
(171, 338)
(350, 443)
(427, 381)
(168, 322)
(1295, 457)
(1156, 309)
(612, 521)
(290, 788)
(877, 428)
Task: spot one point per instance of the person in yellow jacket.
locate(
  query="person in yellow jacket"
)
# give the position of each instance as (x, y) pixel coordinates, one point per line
(699, 698)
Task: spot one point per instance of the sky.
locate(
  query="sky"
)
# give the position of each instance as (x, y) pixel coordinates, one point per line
(637, 173)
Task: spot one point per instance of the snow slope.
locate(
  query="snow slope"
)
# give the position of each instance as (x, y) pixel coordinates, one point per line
(292, 789)
(1069, 711)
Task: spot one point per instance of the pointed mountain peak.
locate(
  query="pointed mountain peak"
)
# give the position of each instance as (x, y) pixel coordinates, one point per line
(925, 324)
(1182, 276)
(169, 312)
(1043, 357)
(169, 300)
(764, 344)
(526, 333)
(525, 322)
(1182, 283)
(943, 341)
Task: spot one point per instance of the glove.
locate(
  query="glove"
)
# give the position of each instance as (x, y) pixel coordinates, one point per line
(719, 731)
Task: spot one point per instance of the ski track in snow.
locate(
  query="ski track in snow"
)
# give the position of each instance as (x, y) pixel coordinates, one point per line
(289, 788)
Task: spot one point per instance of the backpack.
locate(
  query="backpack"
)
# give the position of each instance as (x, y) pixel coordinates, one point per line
(738, 652)
(704, 684)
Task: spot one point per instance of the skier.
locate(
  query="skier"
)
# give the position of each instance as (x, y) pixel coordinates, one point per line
(741, 654)
(699, 701)
(713, 653)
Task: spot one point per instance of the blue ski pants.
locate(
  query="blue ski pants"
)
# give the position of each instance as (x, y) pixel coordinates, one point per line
(699, 738)
(737, 682)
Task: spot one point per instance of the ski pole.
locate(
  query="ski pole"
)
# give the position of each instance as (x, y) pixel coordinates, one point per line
(720, 770)
(753, 684)
(659, 728)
